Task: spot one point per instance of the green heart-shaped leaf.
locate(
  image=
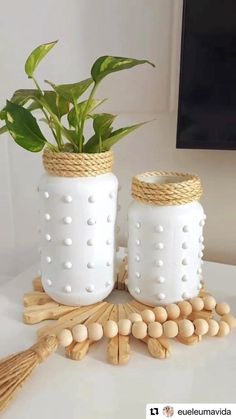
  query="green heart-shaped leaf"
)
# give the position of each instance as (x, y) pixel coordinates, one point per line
(88, 105)
(23, 128)
(72, 91)
(36, 56)
(107, 64)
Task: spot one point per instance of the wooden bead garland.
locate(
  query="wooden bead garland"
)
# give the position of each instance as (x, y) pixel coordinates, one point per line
(158, 322)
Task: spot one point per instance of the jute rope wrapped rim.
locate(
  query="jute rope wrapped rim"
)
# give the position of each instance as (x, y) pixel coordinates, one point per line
(77, 164)
(175, 189)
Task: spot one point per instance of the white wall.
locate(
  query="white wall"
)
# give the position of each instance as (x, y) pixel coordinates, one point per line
(86, 29)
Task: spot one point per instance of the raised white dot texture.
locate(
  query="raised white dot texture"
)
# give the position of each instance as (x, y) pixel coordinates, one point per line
(108, 263)
(199, 271)
(109, 219)
(91, 221)
(90, 242)
(184, 245)
(200, 254)
(159, 246)
(160, 279)
(90, 265)
(202, 247)
(47, 217)
(138, 242)
(46, 195)
(159, 263)
(108, 242)
(159, 229)
(49, 282)
(48, 259)
(137, 258)
(184, 278)
(204, 216)
(67, 198)
(67, 265)
(185, 295)
(138, 275)
(67, 289)
(107, 284)
(201, 239)
(184, 262)
(48, 237)
(137, 290)
(202, 223)
(186, 229)
(90, 288)
(138, 225)
(67, 220)
(67, 242)
(161, 296)
(112, 195)
(91, 199)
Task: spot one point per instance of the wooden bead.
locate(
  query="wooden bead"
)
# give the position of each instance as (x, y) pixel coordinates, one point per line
(197, 303)
(160, 314)
(186, 328)
(135, 317)
(80, 333)
(222, 308)
(124, 326)
(95, 331)
(139, 330)
(185, 308)
(170, 329)
(173, 311)
(201, 327)
(213, 327)
(110, 329)
(224, 329)
(148, 316)
(228, 318)
(209, 302)
(155, 330)
(65, 338)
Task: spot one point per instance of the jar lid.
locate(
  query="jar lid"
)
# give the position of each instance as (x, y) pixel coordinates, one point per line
(166, 188)
(77, 164)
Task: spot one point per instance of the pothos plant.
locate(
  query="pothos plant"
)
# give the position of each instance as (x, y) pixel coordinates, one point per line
(62, 109)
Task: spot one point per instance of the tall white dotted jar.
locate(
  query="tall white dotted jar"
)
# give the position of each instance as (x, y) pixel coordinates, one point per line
(165, 244)
(78, 214)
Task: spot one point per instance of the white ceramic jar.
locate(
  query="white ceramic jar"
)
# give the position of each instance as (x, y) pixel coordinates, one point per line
(78, 215)
(165, 243)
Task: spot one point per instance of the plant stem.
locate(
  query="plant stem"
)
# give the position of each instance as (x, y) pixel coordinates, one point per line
(85, 112)
(58, 140)
(77, 126)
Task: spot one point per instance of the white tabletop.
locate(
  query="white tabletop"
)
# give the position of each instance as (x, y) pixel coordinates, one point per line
(92, 388)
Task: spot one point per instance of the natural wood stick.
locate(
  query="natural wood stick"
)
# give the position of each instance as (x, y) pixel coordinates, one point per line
(203, 314)
(68, 321)
(124, 350)
(159, 348)
(122, 275)
(77, 351)
(140, 306)
(36, 297)
(37, 284)
(192, 340)
(49, 311)
(113, 344)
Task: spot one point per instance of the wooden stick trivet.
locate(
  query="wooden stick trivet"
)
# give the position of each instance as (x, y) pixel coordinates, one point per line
(79, 315)
(113, 344)
(77, 351)
(124, 351)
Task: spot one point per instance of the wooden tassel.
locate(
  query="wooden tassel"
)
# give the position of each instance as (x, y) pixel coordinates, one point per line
(15, 369)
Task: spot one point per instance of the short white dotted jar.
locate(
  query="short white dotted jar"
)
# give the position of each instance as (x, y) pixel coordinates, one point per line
(165, 218)
(78, 215)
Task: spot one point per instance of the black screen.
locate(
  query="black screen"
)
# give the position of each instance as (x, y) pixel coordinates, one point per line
(207, 95)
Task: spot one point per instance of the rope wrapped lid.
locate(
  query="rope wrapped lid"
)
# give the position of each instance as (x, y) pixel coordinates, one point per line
(166, 188)
(77, 164)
